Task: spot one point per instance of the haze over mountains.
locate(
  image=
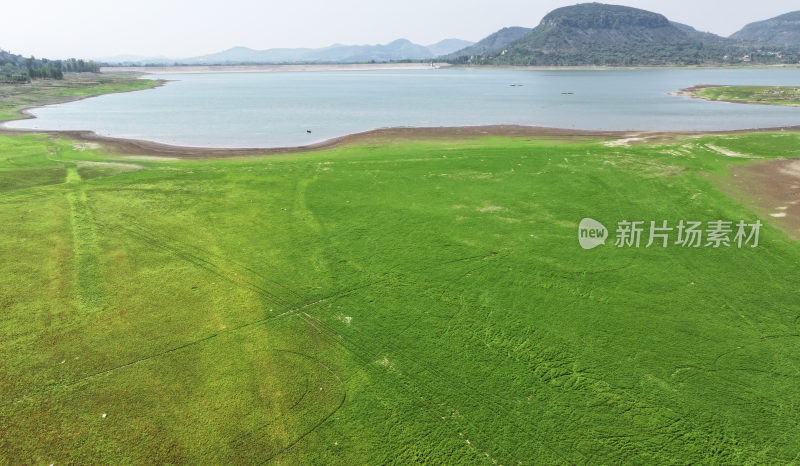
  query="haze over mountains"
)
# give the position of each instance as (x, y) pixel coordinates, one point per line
(493, 41)
(398, 50)
(583, 34)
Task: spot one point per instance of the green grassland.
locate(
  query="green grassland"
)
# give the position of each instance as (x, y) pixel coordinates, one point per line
(14, 97)
(766, 95)
(387, 302)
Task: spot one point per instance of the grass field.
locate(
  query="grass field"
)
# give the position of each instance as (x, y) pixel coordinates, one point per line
(767, 95)
(391, 302)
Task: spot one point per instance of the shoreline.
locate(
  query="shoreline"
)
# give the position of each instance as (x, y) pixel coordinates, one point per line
(144, 147)
(128, 146)
(286, 68)
(123, 146)
(689, 91)
(26, 115)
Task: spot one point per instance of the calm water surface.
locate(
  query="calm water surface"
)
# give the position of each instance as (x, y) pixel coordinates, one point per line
(276, 109)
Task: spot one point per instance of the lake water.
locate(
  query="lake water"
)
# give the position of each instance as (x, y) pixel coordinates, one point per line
(276, 109)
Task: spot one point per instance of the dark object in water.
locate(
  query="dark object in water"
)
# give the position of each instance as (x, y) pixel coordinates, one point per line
(567, 93)
(516, 85)
(308, 131)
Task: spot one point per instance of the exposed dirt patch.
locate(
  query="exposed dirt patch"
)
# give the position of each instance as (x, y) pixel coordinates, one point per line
(82, 146)
(150, 157)
(623, 142)
(490, 208)
(730, 153)
(124, 166)
(773, 188)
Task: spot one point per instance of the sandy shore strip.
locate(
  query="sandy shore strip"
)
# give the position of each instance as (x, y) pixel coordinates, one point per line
(197, 69)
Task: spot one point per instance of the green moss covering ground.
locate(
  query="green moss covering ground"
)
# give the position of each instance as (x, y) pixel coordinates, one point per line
(405, 301)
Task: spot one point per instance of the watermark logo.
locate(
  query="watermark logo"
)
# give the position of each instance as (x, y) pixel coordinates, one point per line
(591, 233)
(685, 234)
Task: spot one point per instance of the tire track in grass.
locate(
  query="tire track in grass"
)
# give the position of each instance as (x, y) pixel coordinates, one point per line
(552, 376)
(205, 339)
(209, 257)
(30, 193)
(247, 325)
(289, 312)
(289, 445)
(323, 329)
(240, 440)
(413, 388)
(205, 264)
(318, 424)
(87, 276)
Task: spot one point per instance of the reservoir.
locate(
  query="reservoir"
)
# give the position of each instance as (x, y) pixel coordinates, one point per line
(281, 109)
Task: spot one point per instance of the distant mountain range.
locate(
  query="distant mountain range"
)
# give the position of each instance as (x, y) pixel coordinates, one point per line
(398, 50)
(601, 34)
(583, 34)
(448, 46)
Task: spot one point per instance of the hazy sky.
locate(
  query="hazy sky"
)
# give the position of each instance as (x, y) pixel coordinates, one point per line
(183, 28)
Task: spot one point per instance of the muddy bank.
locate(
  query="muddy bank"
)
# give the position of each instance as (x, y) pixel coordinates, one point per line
(149, 148)
(142, 147)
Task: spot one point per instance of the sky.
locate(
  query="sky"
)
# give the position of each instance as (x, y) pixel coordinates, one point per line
(185, 28)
